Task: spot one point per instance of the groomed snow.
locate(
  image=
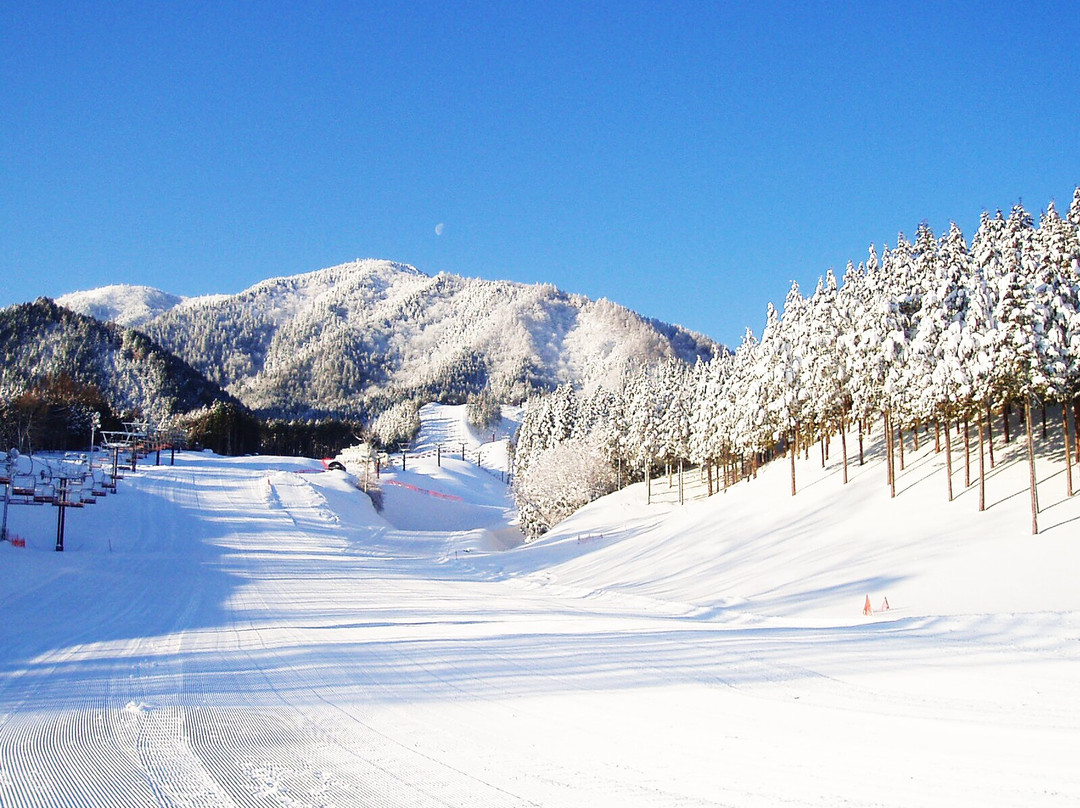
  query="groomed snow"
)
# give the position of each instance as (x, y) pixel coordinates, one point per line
(250, 632)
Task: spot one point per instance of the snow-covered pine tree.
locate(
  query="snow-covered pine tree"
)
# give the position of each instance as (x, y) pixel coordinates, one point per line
(748, 394)
(781, 354)
(867, 303)
(938, 344)
(828, 362)
(1056, 310)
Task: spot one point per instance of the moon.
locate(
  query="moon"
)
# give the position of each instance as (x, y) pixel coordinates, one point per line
(439, 228)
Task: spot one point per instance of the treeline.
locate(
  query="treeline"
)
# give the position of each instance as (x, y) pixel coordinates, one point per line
(57, 413)
(61, 414)
(932, 331)
(64, 375)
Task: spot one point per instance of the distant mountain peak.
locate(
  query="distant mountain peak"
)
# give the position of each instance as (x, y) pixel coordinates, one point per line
(124, 304)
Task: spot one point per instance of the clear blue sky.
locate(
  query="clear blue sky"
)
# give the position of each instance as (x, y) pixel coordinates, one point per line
(685, 159)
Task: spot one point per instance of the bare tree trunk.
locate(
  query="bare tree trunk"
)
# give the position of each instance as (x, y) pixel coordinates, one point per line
(708, 468)
(1076, 428)
(1068, 451)
(823, 450)
(861, 460)
(794, 443)
(948, 462)
(982, 468)
(843, 447)
(888, 454)
(1006, 411)
(990, 433)
(967, 454)
(916, 436)
(1031, 467)
(937, 435)
(900, 441)
(648, 485)
(890, 446)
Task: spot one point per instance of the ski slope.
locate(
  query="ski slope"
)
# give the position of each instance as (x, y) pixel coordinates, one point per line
(250, 632)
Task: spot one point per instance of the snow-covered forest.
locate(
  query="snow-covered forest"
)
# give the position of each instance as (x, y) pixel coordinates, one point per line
(354, 340)
(933, 331)
(60, 370)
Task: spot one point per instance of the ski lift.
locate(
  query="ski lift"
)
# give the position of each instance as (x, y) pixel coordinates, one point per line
(71, 497)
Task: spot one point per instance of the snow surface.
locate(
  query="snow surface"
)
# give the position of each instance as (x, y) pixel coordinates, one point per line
(250, 632)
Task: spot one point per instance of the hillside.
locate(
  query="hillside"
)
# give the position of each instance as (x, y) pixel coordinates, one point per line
(351, 338)
(43, 341)
(249, 631)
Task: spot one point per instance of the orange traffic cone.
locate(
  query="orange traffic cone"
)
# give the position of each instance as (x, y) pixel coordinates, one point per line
(884, 606)
(867, 609)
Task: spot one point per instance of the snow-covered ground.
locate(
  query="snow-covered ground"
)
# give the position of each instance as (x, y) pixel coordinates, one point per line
(249, 632)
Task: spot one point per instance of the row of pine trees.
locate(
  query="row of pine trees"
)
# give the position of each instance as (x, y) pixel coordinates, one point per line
(933, 331)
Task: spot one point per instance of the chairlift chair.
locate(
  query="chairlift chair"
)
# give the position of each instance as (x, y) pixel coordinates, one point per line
(86, 495)
(22, 487)
(45, 495)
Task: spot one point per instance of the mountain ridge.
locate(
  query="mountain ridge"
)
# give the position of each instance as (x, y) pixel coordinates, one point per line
(354, 338)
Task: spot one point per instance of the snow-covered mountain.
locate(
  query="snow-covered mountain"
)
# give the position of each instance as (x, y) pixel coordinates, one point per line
(352, 338)
(129, 306)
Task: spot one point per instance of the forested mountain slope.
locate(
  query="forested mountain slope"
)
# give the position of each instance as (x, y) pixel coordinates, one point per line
(43, 344)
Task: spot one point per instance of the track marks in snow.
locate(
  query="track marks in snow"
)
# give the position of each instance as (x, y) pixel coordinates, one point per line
(286, 739)
(306, 506)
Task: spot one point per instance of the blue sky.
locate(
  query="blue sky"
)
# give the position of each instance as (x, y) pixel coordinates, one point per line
(685, 159)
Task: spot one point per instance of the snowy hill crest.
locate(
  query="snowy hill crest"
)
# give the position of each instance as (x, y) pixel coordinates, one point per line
(123, 304)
